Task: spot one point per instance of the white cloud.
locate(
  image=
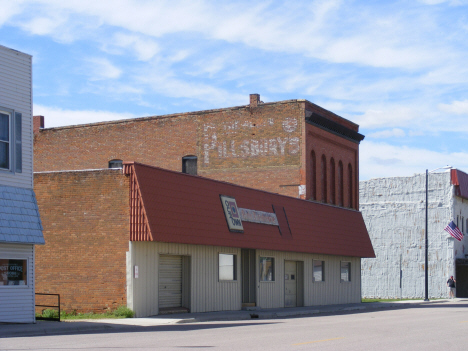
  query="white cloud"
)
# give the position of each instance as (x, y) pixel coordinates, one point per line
(456, 107)
(57, 117)
(144, 48)
(101, 68)
(377, 160)
(389, 133)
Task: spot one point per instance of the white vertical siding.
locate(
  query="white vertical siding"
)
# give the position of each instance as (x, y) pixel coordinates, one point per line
(329, 292)
(17, 302)
(207, 293)
(16, 94)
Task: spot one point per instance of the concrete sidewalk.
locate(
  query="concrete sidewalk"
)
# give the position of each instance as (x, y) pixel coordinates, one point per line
(112, 325)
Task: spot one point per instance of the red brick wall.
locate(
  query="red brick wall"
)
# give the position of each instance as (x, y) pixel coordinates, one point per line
(85, 216)
(259, 145)
(331, 146)
(253, 146)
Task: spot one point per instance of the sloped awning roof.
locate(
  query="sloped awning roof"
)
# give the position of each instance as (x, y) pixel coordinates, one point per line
(19, 216)
(174, 207)
(460, 181)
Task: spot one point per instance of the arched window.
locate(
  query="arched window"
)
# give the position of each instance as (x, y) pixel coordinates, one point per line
(313, 176)
(332, 181)
(324, 179)
(115, 164)
(189, 165)
(340, 183)
(350, 185)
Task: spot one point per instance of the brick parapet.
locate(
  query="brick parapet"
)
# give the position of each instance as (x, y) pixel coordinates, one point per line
(85, 216)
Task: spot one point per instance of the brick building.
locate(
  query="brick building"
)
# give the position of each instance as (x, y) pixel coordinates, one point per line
(158, 241)
(293, 147)
(120, 247)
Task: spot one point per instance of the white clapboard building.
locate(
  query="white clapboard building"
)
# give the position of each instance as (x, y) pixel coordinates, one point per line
(20, 225)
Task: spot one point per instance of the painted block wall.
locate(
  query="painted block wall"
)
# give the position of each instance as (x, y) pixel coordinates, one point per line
(85, 216)
(394, 213)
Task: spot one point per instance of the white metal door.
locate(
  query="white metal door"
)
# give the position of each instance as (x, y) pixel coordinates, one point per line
(290, 286)
(170, 281)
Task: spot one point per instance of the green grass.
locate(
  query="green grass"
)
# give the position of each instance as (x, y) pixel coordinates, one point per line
(120, 312)
(390, 300)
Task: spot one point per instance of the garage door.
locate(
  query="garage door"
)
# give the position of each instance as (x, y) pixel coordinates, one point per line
(170, 281)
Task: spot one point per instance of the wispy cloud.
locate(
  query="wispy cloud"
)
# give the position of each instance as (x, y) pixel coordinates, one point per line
(58, 117)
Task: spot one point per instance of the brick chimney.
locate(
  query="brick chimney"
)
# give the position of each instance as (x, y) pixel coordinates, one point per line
(254, 100)
(38, 123)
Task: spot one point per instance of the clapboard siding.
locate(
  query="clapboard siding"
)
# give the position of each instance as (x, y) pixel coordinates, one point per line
(17, 302)
(16, 94)
(207, 293)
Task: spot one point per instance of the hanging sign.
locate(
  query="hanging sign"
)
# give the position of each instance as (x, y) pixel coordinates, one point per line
(231, 212)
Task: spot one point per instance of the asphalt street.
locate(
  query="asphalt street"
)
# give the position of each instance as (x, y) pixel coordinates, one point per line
(434, 326)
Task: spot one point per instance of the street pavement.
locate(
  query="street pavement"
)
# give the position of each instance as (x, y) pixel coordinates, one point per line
(10, 330)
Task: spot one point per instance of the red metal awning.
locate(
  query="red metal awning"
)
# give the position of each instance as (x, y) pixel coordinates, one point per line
(173, 207)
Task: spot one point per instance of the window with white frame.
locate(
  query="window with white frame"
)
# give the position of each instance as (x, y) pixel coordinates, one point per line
(10, 140)
(345, 271)
(267, 269)
(319, 271)
(13, 271)
(227, 267)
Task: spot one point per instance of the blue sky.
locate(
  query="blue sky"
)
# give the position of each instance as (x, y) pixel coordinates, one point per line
(397, 68)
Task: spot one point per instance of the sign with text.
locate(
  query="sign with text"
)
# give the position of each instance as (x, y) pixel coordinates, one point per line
(258, 216)
(250, 143)
(231, 212)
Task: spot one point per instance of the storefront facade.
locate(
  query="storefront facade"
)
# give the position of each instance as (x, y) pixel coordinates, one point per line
(160, 241)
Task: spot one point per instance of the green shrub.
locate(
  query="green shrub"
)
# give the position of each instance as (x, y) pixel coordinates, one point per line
(123, 311)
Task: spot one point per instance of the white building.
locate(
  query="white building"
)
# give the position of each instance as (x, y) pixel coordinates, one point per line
(20, 225)
(394, 213)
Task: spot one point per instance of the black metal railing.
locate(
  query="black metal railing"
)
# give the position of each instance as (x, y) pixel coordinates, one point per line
(57, 306)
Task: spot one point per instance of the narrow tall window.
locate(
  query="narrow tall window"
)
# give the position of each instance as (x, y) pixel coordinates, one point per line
(4, 140)
(345, 273)
(350, 186)
(313, 176)
(324, 179)
(189, 165)
(332, 181)
(115, 164)
(340, 183)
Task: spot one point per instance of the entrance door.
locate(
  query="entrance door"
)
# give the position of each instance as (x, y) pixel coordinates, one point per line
(248, 257)
(170, 281)
(293, 283)
(290, 286)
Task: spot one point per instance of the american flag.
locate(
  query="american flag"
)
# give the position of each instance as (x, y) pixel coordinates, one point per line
(453, 230)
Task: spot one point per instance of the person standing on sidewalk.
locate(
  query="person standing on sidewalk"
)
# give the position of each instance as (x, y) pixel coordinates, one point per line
(451, 284)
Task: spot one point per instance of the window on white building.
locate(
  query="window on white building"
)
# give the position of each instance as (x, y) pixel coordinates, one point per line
(345, 271)
(13, 272)
(227, 267)
(10, 140)
(319, 271)
(267, 269)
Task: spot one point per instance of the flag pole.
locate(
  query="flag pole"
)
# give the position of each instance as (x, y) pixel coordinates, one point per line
(426, 271)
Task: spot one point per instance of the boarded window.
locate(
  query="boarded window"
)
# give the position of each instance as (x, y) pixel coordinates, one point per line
(189, 165)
